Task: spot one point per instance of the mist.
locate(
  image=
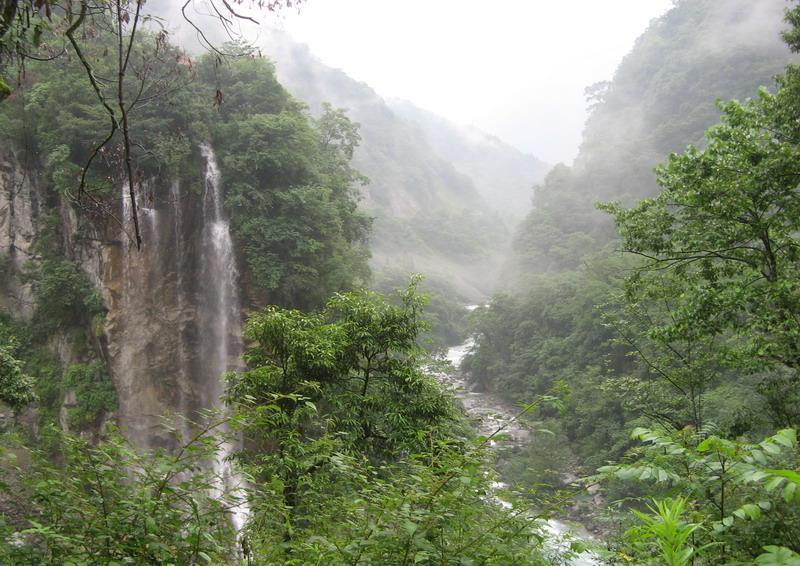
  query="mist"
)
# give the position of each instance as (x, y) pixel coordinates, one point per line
(516, 72)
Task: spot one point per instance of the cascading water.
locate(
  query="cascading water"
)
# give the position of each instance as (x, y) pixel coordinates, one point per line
(174, 321)
(219, 310)
(491, 414)
(218, 304)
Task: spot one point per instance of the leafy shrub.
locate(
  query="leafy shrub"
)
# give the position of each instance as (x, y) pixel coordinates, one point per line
(116, 504)
(94, 392)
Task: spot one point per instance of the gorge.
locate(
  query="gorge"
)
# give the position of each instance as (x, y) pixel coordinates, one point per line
(278, 232)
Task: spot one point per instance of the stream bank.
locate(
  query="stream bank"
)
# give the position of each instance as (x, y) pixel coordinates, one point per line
(489, 413)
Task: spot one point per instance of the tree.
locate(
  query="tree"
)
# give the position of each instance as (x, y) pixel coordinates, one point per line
(47, 30)
(116, 503)
(717, 291)
(290, 186)
(16, 388)
(347, 380)
(723, 233)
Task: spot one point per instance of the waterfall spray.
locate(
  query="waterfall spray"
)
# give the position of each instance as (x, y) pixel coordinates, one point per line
(218, 291)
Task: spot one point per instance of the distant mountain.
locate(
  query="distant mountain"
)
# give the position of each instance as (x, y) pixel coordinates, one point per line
(661, 99)
(504, 175)
(546, 328)
(407, 177)
(434, 212)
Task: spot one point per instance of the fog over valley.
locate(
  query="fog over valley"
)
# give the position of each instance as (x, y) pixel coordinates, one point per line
(357, 282)
(516, 71)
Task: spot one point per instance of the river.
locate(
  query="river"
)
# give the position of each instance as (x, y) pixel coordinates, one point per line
(489, 413)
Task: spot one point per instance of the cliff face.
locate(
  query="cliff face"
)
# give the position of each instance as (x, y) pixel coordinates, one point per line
(173, 320)
(21, 203)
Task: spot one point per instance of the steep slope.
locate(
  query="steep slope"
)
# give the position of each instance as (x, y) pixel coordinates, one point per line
(504, 175)
(661, 99)
(240, 206)
(430, 215)
(548, 327)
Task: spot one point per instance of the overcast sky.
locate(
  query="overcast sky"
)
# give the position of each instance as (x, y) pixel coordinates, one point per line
(514, 68)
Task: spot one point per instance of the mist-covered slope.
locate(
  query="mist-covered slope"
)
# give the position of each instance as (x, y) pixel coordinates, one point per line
(661, 99)
(504, 175)
(547, 326)
(431, 215)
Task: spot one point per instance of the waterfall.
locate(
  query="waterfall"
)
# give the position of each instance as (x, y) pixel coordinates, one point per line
(174, 320)
(218, 304)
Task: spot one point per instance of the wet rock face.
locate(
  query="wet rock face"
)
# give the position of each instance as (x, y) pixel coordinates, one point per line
(143, 290)
(175, 318)
(20, 206)
(173, 321)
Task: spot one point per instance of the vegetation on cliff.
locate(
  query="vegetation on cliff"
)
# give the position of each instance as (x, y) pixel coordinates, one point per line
(557, 320)
(351, 453)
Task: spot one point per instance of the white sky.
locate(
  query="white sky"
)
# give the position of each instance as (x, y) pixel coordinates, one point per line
(513, 68)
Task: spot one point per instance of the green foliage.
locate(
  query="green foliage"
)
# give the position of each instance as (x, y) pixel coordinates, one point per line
(341, 421)
(358, 361)
(739, 492)
(21, 26)
(65, 298)
(85, 127)
(666, 532)
(64, 295)
(541, 463)
(445, 314)
(290, 188)
(94, 391)
(16, 388)
(429, 509)
(779, 555)
(554, 331)
(723, 230)
(547, 325)
(661, 99)
(115, 504)
(289, 185)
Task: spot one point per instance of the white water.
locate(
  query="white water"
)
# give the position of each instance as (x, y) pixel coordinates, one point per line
(177, 321)
(491, 413)
(219, 308)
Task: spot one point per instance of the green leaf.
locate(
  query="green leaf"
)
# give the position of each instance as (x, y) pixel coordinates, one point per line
(773, 483)
(789, 492)
(727, 521)
(788, 474)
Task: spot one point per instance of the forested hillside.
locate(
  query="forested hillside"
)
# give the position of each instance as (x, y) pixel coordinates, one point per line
(162, 216)
(437, 210)
(546, 327)
(195, 370)
(504, 175)
(687, 341)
